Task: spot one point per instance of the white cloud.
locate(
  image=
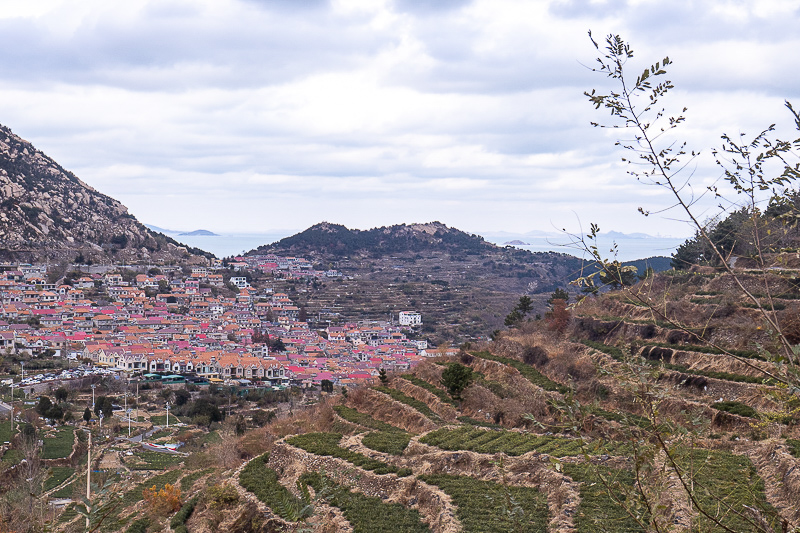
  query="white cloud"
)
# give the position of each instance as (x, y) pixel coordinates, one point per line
(234, 115)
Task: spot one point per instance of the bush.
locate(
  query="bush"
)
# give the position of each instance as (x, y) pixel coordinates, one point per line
(535, 356)
(736, 408)
(164, 501)
(456, 378)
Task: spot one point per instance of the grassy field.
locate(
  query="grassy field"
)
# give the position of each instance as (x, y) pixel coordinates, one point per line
(60, 445)
(58, 475)
(148, 460)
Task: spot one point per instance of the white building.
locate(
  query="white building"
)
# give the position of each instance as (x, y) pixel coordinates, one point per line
(410, 318)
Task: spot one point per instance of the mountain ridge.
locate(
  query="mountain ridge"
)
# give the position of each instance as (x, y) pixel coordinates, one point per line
(48, 214)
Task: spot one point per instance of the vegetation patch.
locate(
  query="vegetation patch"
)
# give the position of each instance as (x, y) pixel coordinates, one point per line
(794, 446)
(515, 443)
(148, 460)
(736, 408)
(356, 417)
(529, 372)
(613, 351)
(327, 444)
(723, 484)
(58, 475)
(59, 446)
(392, 442)
(605, 493)
(484, 506)
(188, 480)
(184, 513)
(481, 423)
(366, 514)
(422, 407)
(263, 482)
(433, 389)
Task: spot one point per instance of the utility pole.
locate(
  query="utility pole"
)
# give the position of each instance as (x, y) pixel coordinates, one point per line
(93, 386)
(89, 477)
(11, 403)
(167, 414)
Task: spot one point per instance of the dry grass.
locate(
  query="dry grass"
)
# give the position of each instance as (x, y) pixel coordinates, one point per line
(317, 418)
(447, 412)
(381, 407)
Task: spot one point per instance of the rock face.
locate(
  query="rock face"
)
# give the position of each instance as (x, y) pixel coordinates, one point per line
(48, 214)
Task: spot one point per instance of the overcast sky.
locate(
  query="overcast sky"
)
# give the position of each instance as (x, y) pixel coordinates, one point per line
(252, 115)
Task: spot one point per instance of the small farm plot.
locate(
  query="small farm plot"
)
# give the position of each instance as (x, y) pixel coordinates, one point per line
(328, 444)
(487, 507)
(366, 514)
(604, 493)
(59, 445)
(514, 443)
(263, 482)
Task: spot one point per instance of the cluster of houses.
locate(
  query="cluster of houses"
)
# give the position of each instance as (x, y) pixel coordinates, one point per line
(180, 324)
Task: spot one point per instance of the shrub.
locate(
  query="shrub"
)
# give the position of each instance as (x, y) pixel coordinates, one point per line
(534, 356)
(456, 378)
(736, 408)
(164, 501)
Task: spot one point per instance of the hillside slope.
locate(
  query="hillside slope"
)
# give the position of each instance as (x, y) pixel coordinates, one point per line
(48, 214)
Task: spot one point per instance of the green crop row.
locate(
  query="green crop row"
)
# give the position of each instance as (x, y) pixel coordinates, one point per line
(328, 444)
(723, 484)
(529, 372)
(605, 492)
(188, 480)
(155, 460)
(262, 481)
(422, 407)
(613, 351)
(515, 443)
(351, 415)
(59, 446)
(484, 506)
(623, 417)
(184, 513)
(736, 408)
(58, 475)
(433, 389)
(365, 513)
(393, 442)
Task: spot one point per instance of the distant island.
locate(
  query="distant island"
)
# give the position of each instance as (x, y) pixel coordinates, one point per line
(516, 243)
(200, 232)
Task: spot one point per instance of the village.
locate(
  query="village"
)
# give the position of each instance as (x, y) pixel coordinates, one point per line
(209, 324)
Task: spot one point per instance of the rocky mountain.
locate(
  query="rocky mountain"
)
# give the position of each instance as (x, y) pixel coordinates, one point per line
(48, 214)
